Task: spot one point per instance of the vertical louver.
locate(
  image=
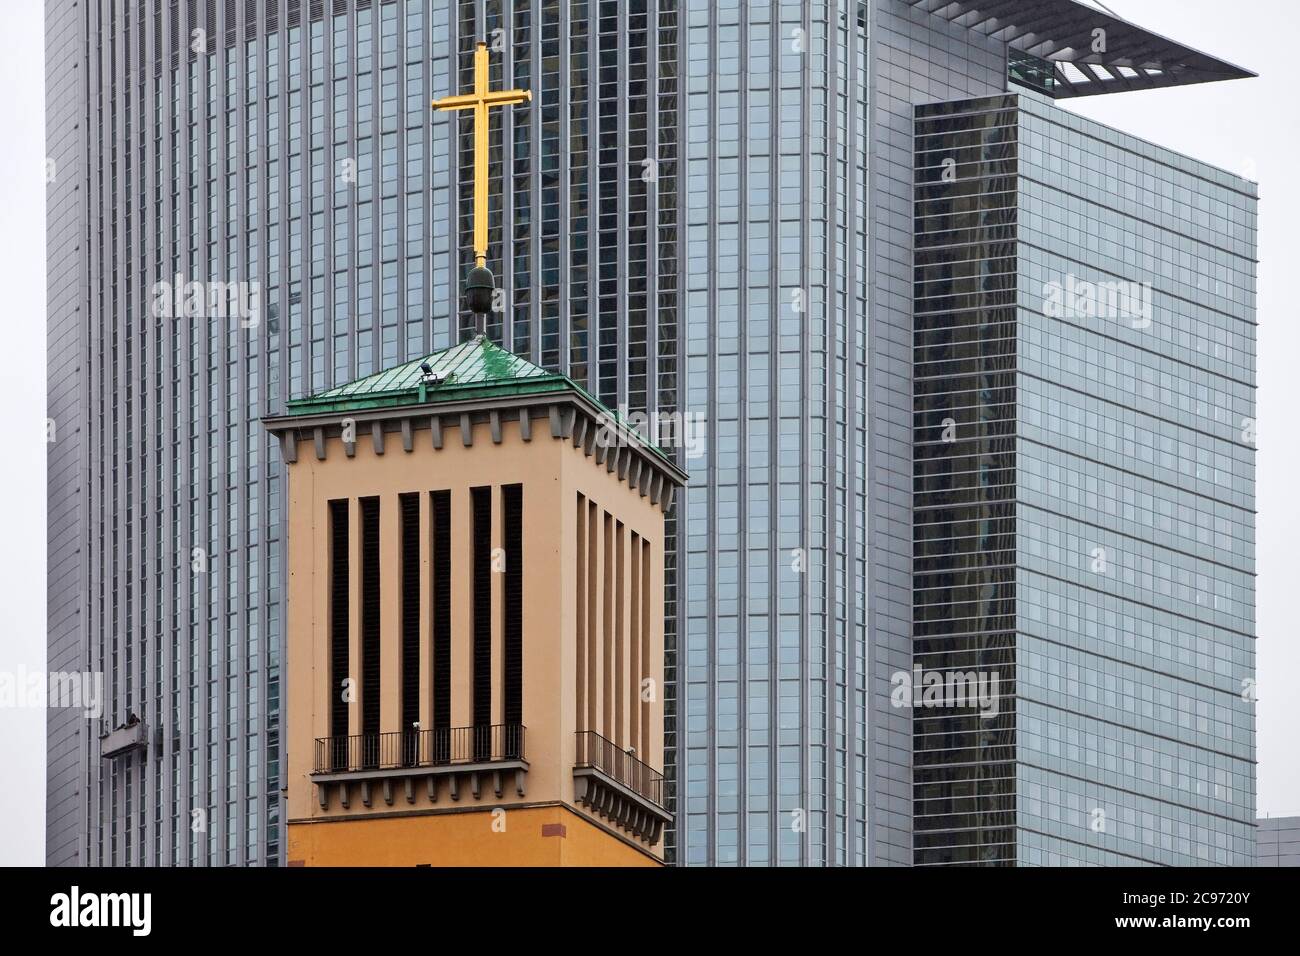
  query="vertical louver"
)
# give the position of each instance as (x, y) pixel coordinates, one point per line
(593, 619)
(210, 27)
(481, 584)
(410, 513)
(159, 41)
(512, 515)
(618, 689)
(647, 608)
(338, 629)
(580, 616)
(370, 689)
(174, 31)
(441, 501)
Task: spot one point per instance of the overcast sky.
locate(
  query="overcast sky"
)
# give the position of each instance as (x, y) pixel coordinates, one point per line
(1251, 127)
(1248, 126)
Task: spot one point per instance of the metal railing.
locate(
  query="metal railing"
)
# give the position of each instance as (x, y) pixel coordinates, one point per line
(439, 747)
(619, 765)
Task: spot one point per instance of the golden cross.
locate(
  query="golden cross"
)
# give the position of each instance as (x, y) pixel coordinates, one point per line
(480, 101)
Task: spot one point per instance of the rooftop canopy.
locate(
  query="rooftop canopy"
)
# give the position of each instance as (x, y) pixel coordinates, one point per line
(1055, 41)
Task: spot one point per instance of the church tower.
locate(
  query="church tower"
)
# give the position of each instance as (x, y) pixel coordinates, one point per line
(475, 620)
(475, 646)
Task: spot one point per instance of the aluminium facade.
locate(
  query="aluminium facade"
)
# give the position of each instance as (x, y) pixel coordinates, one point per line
(290, 145)
(707, 209)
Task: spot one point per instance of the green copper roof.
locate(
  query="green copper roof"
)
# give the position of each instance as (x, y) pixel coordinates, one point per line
(474, 369)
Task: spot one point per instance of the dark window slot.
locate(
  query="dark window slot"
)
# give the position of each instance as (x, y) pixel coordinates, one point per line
(512, 513)
(370, 688)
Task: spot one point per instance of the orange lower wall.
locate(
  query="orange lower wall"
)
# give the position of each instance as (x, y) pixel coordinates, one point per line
(462, 839)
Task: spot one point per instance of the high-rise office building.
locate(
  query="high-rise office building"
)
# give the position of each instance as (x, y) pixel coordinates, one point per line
(1277, 841)
(1084, 510)
(711, 212)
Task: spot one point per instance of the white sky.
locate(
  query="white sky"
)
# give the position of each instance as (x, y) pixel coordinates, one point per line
(1245, 124)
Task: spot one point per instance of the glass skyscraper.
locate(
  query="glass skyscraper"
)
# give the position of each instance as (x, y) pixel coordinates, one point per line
(1084, 510)
(707, 209)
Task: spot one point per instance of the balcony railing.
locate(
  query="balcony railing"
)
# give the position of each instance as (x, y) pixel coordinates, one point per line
(439, 747)
(620, 766)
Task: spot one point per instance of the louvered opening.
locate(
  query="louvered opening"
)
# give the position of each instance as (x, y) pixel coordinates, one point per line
(441, 590)
(191, 24)
(231, 23)
(481, 501)
(647, 608)
(370, 689)
(512, 518)
(338, 629)
(141, 54)
(174, 31)
(294, 14)
(580, 616)
(159, 41)
(410, 517)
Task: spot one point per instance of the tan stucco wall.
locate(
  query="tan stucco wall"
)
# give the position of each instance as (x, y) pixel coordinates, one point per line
(553, 835)
(552, 472)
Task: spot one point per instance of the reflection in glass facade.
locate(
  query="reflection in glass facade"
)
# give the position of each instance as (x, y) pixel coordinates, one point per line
(1084, 517)
(289, 143)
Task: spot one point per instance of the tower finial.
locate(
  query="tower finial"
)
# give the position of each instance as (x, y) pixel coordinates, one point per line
(479, 283)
